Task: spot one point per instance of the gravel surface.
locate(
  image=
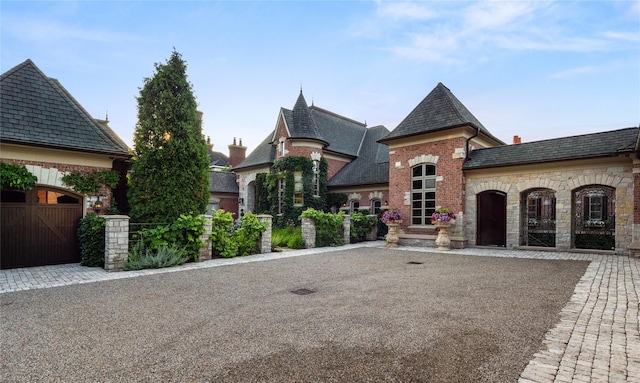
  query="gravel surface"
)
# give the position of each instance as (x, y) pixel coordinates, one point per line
(370, 316)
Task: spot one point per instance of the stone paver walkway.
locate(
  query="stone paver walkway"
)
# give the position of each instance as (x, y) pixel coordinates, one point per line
(596, 340)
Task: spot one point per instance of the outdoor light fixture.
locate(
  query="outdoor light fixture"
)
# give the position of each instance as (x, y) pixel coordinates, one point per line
(97, 206)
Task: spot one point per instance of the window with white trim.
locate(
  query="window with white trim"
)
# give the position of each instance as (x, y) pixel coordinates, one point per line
(423, 193)
(297, 189)
(376, 205)
(281, 185)
(316, 177)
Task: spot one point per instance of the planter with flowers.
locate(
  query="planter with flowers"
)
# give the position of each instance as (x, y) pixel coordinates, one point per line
(443, 218)
(393, 219)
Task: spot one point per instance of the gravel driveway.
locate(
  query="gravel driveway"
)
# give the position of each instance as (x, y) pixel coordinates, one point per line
(370, 315)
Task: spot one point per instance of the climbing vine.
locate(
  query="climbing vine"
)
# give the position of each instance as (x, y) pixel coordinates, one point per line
(16, 176)
(87, 183)
(267, 190)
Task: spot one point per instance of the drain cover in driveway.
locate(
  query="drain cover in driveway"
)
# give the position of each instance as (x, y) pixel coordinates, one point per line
(303, 291)
(414, 263)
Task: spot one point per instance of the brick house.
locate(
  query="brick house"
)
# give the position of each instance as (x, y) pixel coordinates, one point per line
(572, 193)
(44, 128)
(357, 163)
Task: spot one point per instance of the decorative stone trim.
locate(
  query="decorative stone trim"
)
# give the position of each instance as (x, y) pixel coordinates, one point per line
(424, 158)
(376, 195)
(354, 196)
(491, 185)
(315, 156)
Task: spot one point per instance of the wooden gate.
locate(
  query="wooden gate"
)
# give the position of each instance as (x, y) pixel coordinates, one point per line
(39, 227)
(492, 219)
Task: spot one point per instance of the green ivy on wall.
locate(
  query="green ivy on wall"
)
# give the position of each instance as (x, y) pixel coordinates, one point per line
(283, 169)
(87, 183)
(16, 176)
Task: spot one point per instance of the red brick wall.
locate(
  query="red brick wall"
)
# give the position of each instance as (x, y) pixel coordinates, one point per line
(104, 192)
(449, 191)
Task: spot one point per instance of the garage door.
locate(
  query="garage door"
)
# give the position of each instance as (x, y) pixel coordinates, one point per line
(39, 227)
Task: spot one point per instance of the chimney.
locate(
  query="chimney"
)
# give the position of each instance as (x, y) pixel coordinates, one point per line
(237, 153)
(517, 140)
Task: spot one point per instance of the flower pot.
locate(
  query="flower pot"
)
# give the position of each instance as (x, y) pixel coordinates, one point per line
(442, 241)
(392, 234)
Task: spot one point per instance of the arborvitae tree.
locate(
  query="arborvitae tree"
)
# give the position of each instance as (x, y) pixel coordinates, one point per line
(170, 169)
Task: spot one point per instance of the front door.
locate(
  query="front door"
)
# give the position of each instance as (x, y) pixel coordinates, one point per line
(492, 219)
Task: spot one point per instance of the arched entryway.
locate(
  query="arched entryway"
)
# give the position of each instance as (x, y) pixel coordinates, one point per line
(491, 218)
(538, 218)
(39, 227)
(594, 218)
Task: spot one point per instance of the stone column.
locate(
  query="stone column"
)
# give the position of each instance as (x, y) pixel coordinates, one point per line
(373, 233)
(206, 250)
(346, 224)
(309, 233)
(116, 244)
(265, 238)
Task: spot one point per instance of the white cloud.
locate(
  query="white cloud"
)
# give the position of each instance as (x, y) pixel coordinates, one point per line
(573, 72)
(405, 11)
(461, 32)
(46, 31)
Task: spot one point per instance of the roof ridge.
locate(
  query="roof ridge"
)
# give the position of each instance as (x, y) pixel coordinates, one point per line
(314, 107)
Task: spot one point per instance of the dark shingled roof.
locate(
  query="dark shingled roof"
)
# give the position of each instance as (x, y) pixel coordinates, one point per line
(218, 159)
(38, 110)
(372, 164)
(439, 110)
(263, 154)
(304, 126)
(602, 144)
(340, 134)
(222, 182)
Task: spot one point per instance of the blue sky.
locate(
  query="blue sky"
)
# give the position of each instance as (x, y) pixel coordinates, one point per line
(537, 69)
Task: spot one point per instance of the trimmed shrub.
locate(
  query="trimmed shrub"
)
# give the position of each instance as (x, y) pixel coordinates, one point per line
(361, 225)
(329, 227)
(91, 239)
(230, 239)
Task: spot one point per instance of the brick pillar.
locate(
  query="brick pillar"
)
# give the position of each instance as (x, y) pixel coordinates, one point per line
(206, 250)
(265, 238)
(634, 246)
(116, 244)
(346, 224)
(309, 233)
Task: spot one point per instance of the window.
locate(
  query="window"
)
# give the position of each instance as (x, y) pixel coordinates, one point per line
(297, 189)
(52, 198)
(280, 195)
(376, 205)
(316, 177)
(354, 206)
(423, 193)
(596, 208)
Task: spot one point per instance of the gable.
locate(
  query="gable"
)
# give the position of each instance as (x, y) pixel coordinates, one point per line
(39, 111)
(439, 110)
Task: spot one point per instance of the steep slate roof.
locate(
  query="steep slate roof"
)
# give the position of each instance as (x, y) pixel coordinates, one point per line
(371, 166)
(263, 154)
(223, 182)
(439, 110)
(304, 125)
(218, 159)
(595, 145)
(340, 134)
(39, 111)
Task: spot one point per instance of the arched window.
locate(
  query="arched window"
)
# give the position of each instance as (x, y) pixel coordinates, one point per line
(423, 193)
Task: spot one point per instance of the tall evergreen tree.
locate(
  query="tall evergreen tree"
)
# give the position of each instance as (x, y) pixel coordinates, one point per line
(169, 173)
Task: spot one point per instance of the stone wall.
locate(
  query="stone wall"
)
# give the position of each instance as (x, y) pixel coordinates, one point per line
(563, 181)
(116, 247)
